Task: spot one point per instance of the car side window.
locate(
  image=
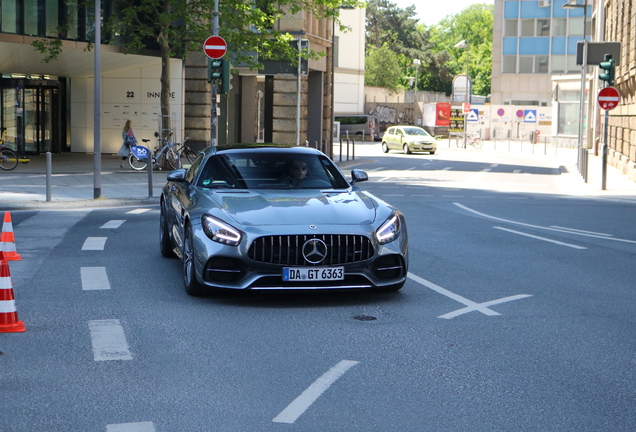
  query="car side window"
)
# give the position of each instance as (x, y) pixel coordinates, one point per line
(192, 172)
(390, 131)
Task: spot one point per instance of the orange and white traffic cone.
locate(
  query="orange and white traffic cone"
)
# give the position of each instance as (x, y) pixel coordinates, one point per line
(8, 314)
(7, 240)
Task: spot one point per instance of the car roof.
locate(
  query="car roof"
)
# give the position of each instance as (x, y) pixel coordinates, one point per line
(262, 148)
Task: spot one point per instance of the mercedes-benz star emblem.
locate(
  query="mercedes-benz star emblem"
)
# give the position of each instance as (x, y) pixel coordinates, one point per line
(314, 251)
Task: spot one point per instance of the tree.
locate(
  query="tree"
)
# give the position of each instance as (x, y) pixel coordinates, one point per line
(475, 25)
(383, 69)
(175, 27)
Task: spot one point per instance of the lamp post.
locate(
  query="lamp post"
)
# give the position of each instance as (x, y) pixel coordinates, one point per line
(417, 64)
(465, 44)
(582, 153)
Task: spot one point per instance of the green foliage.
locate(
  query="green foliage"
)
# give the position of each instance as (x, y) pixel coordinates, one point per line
(383, 68)
(390, 26)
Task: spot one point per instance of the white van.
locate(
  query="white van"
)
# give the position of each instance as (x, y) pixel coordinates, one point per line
(359, 124)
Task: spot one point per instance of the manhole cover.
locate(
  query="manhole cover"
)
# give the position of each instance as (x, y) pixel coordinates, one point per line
(365, 318)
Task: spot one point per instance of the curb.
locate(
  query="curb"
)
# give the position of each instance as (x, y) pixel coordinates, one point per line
(79, 204)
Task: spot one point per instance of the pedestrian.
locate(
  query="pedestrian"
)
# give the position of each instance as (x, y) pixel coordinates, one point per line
(129, 139)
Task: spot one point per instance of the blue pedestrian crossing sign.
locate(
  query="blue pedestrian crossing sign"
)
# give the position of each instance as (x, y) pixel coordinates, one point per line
(530, 116)
(473, 115)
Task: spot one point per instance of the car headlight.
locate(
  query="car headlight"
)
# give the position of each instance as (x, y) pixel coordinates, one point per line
(389, 230)
(220, 231)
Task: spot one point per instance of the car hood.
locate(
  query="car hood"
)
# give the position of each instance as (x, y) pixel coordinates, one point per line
(274, 207)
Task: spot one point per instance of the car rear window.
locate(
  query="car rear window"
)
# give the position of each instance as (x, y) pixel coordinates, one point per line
(268, 171)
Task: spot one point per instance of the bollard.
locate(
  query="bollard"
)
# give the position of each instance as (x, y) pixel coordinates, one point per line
(48, 176)
(340, 150)
(150, 194)
(353, 150)
(347, 147)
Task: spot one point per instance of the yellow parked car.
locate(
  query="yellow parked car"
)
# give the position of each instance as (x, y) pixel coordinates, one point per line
(408, 139)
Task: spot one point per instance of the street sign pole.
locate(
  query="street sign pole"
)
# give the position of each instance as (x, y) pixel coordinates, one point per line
(608, 98)
(214, 119)
(604, 163)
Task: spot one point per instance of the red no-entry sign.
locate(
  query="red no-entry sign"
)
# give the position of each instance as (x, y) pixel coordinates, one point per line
(215, 47)
(608, 98)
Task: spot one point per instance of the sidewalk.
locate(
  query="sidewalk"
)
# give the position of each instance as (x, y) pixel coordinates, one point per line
(73, 178)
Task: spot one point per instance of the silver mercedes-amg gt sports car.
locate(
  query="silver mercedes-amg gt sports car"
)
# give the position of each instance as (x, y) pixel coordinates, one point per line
(279, 217)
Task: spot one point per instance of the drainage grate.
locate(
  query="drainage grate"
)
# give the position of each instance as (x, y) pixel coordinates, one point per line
(365, 318)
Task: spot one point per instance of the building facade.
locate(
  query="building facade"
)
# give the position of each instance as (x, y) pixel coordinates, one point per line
(49, 106)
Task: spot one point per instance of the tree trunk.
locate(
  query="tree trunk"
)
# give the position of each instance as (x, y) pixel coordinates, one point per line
(166, 124)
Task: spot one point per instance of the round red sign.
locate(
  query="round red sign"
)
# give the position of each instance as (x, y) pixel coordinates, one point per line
(215, 47)
(608, 98)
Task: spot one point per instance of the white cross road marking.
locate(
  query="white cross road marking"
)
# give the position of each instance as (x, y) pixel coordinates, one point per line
(138, 211)
(94, 278)
(471, 305)
(108, 340)
(313, 392)
(486, 304)
(131, 427)
(94, 243)
(113, 224)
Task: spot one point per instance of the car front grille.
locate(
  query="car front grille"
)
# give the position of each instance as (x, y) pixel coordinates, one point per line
(287, 249)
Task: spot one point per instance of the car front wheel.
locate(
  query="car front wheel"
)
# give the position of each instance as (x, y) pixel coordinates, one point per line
(165, 244)
(406, 149)
(385, 147)
(192, 285)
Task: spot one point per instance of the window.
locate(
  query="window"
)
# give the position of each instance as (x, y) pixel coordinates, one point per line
(576, 27)
(572, 63)
(509, 64)
(525, 64)
(568, 122)
(31, 17)
(541, 64)
(558, 64)
(543, 27)
(527, 27)
(8, 16)
(558, 26)
(52, 18)
(511, 28)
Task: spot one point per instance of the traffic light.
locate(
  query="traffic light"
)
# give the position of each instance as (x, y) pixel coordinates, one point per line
(609, 70)
(215, 70)
(219, 72)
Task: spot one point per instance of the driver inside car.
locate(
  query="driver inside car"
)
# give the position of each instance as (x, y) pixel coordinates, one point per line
(296, 172)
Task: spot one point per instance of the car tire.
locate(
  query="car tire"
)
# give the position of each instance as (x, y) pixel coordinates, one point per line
(190, 281)
(385, 147)
(406, 149)
(165, 244)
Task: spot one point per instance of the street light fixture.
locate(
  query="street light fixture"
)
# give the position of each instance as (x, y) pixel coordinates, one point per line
(582, 153)
(465, 44)
(417, 64)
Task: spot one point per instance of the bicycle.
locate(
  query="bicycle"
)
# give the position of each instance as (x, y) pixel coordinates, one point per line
(8, 158)
(185, 150)
(475, 140)
(138, 158)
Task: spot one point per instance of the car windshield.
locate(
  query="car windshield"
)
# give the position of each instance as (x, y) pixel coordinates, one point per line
(415, 131)
(262, 170)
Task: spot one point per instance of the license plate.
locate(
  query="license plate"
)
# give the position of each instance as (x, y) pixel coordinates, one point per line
(306, 274)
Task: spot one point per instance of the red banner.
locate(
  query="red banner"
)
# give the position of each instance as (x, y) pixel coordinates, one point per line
(443, 114)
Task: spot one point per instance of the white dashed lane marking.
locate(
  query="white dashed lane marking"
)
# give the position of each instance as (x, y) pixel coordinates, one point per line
(112, 224)
(109, 341)
(94, 278)
(94, 243)
(313, 392)
(131, 427)
(138, 211)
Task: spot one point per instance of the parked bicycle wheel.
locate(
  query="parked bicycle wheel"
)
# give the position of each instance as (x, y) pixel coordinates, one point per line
(136, 163)
(477, 143)
(189, 154)
(172, 159)
(8, 159)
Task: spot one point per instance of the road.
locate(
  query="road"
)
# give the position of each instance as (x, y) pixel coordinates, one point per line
(517, 316)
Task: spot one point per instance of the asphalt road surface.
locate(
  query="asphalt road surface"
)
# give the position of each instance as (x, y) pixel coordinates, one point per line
(517, 316)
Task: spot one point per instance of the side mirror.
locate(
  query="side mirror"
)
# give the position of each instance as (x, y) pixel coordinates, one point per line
(177, 175)
(358, 176)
